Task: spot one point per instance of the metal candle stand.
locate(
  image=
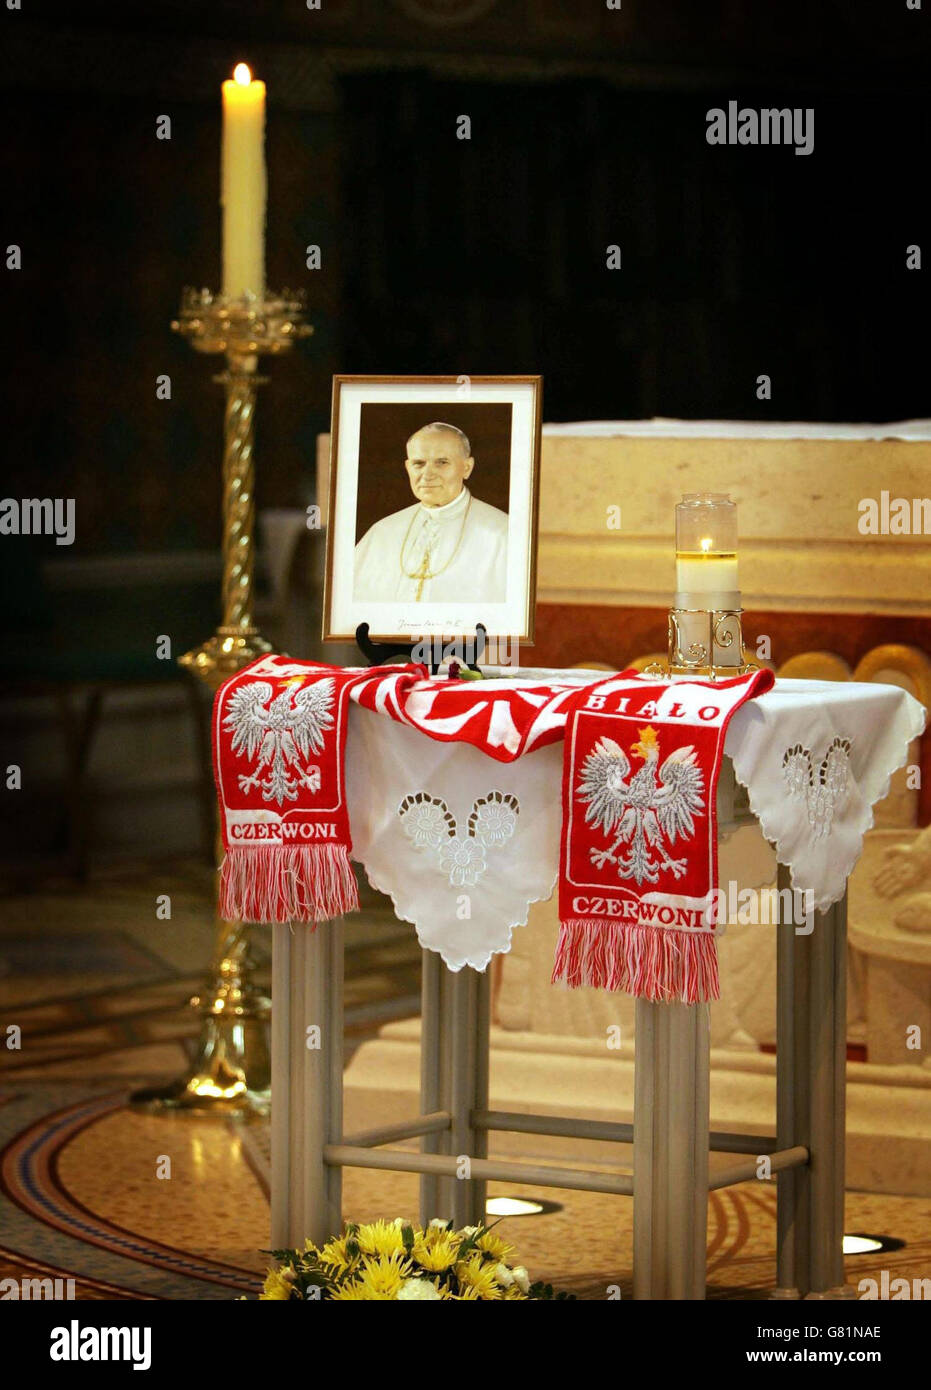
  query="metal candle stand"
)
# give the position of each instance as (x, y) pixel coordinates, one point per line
(707, 641)
(231, 1069)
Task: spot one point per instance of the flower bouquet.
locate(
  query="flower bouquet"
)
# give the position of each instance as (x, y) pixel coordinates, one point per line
(388, 1261)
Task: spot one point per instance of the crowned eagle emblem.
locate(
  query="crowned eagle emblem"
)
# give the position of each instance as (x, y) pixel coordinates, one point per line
(639, 809)
(282, 733)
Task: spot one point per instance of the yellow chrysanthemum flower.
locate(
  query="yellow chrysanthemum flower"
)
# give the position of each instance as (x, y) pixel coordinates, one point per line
(335, 1254)
(439, 1251)
(494, 1246)
(474, 1273)
(354, 1293)
(383, 1275)
(370, 1262)
(381, 1238)
(276, 1286)
(437, 1230)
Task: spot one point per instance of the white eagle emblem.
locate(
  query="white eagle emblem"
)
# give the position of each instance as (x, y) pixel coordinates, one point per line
(639, 810)
(282, 734)
(430, 824)
(822, 794)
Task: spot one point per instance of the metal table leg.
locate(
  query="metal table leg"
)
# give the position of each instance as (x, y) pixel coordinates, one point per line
(462, 1081)
(432, 1052)
(478, 1189)
(671, 1125)
(811, 1084)
(282, 1155)
(455, 1019)
(307, 1081)
(792, 1191)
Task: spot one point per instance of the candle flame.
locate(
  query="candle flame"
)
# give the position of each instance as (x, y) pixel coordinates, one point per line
(705, 543)
(242, 73)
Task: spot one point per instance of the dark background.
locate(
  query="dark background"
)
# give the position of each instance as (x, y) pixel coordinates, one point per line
(441, 255)
(384, 486)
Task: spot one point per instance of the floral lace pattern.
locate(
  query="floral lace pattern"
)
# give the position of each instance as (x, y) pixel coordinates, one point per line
(430, 825)
(822, 794)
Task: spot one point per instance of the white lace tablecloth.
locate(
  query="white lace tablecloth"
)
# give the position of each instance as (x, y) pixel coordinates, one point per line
(815, 756)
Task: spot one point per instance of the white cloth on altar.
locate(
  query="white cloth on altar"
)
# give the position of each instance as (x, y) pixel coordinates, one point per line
(464, 544)
(466, 893)
(465, 898)
(779, 744)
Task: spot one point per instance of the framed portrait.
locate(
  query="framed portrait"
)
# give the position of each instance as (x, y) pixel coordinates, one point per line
(432, 518)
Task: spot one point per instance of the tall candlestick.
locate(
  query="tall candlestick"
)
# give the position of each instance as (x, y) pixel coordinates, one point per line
(243, 184)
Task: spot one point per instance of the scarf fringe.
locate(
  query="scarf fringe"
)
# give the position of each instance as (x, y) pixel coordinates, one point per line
(287, 883)
(662, 965)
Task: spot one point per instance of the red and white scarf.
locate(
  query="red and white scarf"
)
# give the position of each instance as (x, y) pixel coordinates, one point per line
(639, 842)
(279, 740)
(638, 869)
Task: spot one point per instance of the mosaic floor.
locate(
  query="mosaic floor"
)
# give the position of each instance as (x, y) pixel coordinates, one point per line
(135, 1205)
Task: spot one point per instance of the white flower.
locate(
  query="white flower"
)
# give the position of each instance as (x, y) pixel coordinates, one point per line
(820, 809)
(471, 1230)
(418, 1290)
(495, 823)
(463, 861)
(504, 1276)
(424, 826)
(438, 1221)
(521, 1278)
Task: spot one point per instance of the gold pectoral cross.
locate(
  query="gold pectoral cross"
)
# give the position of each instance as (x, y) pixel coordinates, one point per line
(422, 574)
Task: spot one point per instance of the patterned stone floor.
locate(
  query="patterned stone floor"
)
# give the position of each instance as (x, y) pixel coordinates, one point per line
(134, 1205)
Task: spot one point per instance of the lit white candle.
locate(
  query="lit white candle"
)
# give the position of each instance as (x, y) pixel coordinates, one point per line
(243, 184)
(706, 551)
(705, 572)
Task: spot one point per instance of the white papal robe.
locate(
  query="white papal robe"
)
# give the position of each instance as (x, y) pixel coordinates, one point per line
(463, 545)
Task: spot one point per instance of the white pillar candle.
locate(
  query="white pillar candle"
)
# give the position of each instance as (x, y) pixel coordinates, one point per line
(706, 551)
(243, 184)
(706, 574)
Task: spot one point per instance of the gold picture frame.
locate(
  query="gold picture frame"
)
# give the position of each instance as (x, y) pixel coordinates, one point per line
(372, 419)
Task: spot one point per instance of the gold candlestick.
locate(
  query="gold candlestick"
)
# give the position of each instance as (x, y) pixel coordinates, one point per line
(243, 329)
(231, 1069)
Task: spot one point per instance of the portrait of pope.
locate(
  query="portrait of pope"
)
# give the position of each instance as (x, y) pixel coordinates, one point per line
(448, 545)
